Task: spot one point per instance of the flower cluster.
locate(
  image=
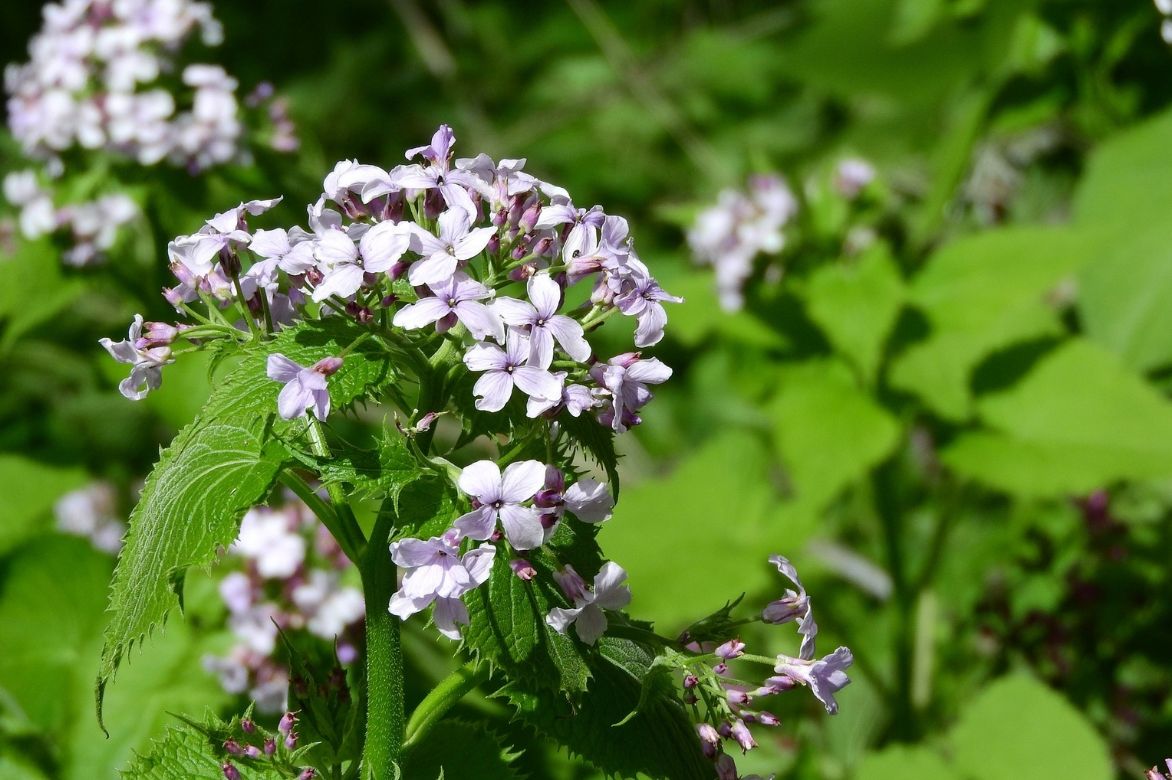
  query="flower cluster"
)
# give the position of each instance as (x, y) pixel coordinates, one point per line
(92, 512)
(731, 703)
(104, 76)
(742, 225)
(256, 747)
(291, 577)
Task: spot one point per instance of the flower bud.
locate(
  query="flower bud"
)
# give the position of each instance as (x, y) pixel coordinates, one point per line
(251, 751)
(726, 768)
(691, 681)
(737, 696)
(767, 718)
(291, 740)
(232, 747)
(571, 584)
(287, 721)
(741, 733)
(247, 726)
(523, 569)
(494, 244)
(230, 771)
(709, 739)
(307, 774)
(270, 746)
(327, 366)
(529, 217)
(733, 648)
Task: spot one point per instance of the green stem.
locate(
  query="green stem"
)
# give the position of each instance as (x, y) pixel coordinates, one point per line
(385, 715)
(442, 698)
(348, 531)
(252, 326)
(323, 511)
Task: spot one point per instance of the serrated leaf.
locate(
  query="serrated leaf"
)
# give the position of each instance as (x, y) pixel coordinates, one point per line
(508, 627)
(219, 466)
(327, 716)
(480, 755)
(195, 750)
(597, 441)
(380, 472)
(660, 741)
(1078, 421)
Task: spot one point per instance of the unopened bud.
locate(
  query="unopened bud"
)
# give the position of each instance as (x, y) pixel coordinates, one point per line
(270, 746)
(571, 584)
(733, 648)
(523, 569)
(327, 366)
(230, 771)
(709, 739)
(287, 721)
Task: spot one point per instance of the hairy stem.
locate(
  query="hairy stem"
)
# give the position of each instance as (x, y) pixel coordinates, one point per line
(323, 511)
(384, 656)
(442, 698)
(348, 532)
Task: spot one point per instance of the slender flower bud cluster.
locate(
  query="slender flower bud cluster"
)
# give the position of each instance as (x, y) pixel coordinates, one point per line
(291, 575)
(92, 512)
(732, 702)
(258, 749)
(742, 225)
(99, 80)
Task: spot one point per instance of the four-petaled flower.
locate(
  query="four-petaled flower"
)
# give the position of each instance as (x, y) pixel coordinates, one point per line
(457, 242)
(456, 299)
(502, 495)
(826, 676)
(305, 387)
(539, 314)
(147, 371)
(505, 368)
(439, 574)
(610, 592)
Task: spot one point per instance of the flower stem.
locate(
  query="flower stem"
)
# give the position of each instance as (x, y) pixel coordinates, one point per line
(442, 698)
(385, 715)
(322, 510)
(348, 531)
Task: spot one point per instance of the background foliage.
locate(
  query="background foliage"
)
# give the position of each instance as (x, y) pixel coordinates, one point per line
(962, 435)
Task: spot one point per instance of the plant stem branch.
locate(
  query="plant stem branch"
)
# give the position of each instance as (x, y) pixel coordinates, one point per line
(348, 528)
(385, 716)
(442, 698)
(322, 510)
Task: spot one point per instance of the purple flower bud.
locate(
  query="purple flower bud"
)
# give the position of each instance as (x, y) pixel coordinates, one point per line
(270, 746)
(543, 246)
(314, 276)
(426, 421)
(523, 569)
(156, 334)
(247, 726)
(389, 301)
(327, 366)
(767, 718)
(690, 698)
(529, 217)
(307, 774)
(232, 747)
(726, 768)
(291, 740)
(737, 696)
(494, 244)
(733, 648)
(500, 217)
(721, 668)
(691, 681)
(252, 751)
(433, 204)
(516, 209)
(230, 772)
(725, 730)
(287, 722)
(778, 684)
(521, 273)
(548, 499)
(709, 739)
(572, 584)
(740, 732)
(520, 249)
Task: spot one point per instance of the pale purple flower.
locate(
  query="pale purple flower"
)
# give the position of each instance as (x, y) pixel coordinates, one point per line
(383, 245)
(740, 733)
(610, 592)
(437, 174)
(626, 378)
(825, 676)
(539, 315)
(501, 496)
(709, 739)
(305, 387)
(459, 298)
(146, 371)
(456, 243)
(293, 250)
(733, 648)
(793, 605)
(505, 368)
(584, 222)
(851, 177)
(498, 182)
(225, 231)
(337, 259)
(271, 541)
(437, 574)
(641, 297)
(589, 500)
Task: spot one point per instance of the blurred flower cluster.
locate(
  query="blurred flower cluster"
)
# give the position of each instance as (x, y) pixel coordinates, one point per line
(288, 574)
(108, 77)
(92, 512)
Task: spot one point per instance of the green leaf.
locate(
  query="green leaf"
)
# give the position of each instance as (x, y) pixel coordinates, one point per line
(659, 742)
(381, 472)
(219, 466)
(195, 750)
(1017, 727)
(900, 762)
(38, 289)
(327, 720)
(31, 490)
(1078, 421)
(597, 441)
(727, 477)
(1129, 177)
(856, 304)
(480, 754)
(980, 294)
(508, 627)
(830, 433)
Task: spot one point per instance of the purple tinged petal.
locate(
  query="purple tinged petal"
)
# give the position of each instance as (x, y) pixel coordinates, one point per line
(425, 312)
(480, 320)
(321, 403)
(591, 624)
(343, 280)
(481, 480)
(334, 247)
(540, 348)
(449, 614)
(571, 336)
(651, 371)
(514, 312)
(478, 562)
(545, 294)
(610, 589)
(485, 357)
(560, 618)
(413, 553)
(651, 323)
(537, 382)
(494, 389)
(294, 399)
(589, 500)
(436, 269)
(522, 480)
(270, 243)
(522, 526)
(473, 244)
(552, 216)
(479, 524)
(412, 177)
(383, 245)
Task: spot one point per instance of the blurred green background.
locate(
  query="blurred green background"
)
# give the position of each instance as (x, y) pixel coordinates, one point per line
(961, 434)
